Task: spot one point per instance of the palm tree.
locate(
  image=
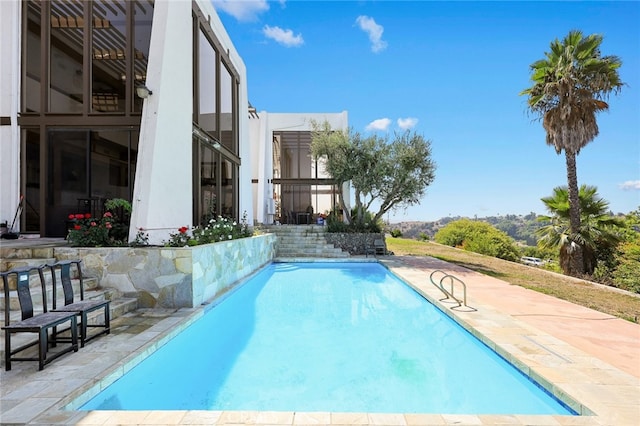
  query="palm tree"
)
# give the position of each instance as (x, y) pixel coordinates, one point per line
(598, 233)
(569, 88)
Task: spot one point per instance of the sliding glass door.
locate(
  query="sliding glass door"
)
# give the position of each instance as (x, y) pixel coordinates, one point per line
(85, 169)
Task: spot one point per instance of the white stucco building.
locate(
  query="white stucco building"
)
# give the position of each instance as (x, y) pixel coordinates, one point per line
(287, 182)
(75, 130)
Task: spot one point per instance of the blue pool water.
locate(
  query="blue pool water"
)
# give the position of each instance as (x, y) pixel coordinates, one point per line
(347, 337)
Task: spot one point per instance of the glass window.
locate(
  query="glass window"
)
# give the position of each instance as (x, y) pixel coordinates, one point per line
(65, 56)
(142, 20)
(32, 63)
(67, 180)
(295, 161)
(108, 57)
(227, 115)
(207, 92)
(110, 159)
(228, 189)
(31, 178)
(208, 184)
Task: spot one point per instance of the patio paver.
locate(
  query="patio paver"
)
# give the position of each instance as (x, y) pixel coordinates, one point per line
(591, 357)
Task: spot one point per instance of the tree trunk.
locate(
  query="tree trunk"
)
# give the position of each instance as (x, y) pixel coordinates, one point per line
(576, 263)
(345, 212)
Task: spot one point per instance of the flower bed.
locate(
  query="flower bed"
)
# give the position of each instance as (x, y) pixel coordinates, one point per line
(174, 277)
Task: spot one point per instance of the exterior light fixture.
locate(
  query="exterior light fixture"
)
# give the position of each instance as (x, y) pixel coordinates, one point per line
(143, 91)
(216, 145)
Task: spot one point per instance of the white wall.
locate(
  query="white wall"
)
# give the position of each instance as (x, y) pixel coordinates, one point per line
(163, 193)
(9, 103)
(162, 198)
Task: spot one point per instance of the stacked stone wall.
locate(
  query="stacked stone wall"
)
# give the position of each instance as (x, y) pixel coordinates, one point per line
(173, 277)
(354, 243)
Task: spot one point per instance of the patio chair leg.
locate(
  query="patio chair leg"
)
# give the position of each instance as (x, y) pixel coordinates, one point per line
(74, 334)
(7, 351)
(42, 348)
(107, 320)
(83, 329)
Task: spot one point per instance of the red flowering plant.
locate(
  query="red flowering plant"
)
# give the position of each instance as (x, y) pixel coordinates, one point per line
(180, 238)
(86, 231)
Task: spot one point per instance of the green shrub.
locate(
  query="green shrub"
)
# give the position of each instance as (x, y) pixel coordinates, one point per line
(396, 233)
(479, 237)
(335, 225)
(626, 274)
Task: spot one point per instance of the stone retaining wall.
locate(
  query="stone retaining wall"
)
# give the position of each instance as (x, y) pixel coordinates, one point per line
(354, 243)
(173, 277)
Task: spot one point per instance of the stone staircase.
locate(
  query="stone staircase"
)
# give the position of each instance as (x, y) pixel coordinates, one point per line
(39, 255)
(304, 241)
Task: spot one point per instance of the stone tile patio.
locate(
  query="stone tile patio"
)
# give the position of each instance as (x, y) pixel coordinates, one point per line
(588, 359)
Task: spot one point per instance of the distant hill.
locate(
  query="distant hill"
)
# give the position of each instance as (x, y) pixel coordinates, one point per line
(520, 228)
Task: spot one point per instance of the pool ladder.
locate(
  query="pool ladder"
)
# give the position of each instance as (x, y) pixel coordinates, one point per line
(449, 294)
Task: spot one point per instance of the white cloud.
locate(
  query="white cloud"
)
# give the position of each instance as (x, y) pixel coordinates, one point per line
(379, 124)
(630, 185)
(284, 37)
(369, 26)
(242, 10)
(407, 123)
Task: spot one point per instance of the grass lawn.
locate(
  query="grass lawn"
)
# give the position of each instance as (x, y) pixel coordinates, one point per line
(620, 304)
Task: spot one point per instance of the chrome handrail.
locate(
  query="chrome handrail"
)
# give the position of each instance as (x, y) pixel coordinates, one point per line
(439, 284)
(450, 292)
(452, 279)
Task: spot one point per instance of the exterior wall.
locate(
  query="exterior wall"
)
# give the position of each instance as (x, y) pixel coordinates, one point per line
(245, 202)
(174, 277)
(258, 161)
(162, 200)
(9, 102)
(262, 144)
(162, 197)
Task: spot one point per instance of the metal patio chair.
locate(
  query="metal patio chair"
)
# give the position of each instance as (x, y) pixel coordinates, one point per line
(31, 322)
(377, 248)
(80, 307)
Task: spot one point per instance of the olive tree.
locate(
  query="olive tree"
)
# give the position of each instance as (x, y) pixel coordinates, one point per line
(389, 173)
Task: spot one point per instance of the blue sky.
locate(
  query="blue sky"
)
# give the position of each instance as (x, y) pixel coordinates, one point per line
(451, 71)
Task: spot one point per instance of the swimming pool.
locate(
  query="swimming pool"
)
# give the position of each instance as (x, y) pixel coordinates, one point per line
(326, 337)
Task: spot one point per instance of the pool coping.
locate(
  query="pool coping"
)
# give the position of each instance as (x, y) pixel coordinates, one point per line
(603, 394)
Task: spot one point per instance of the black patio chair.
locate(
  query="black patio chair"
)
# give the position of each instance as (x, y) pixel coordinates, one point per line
(31, 322)
(377, 248)
(80, 307)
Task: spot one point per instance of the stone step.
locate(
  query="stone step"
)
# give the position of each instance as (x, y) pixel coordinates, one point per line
(123, 305)
(7, 253)
(295, 228)
(295, 256)
(118, 307)
(320, 241)
(91, 291)
(312, 254)
(304, 244)
(295, 241)
(21, 262)
(317, 250)
(34, 280)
